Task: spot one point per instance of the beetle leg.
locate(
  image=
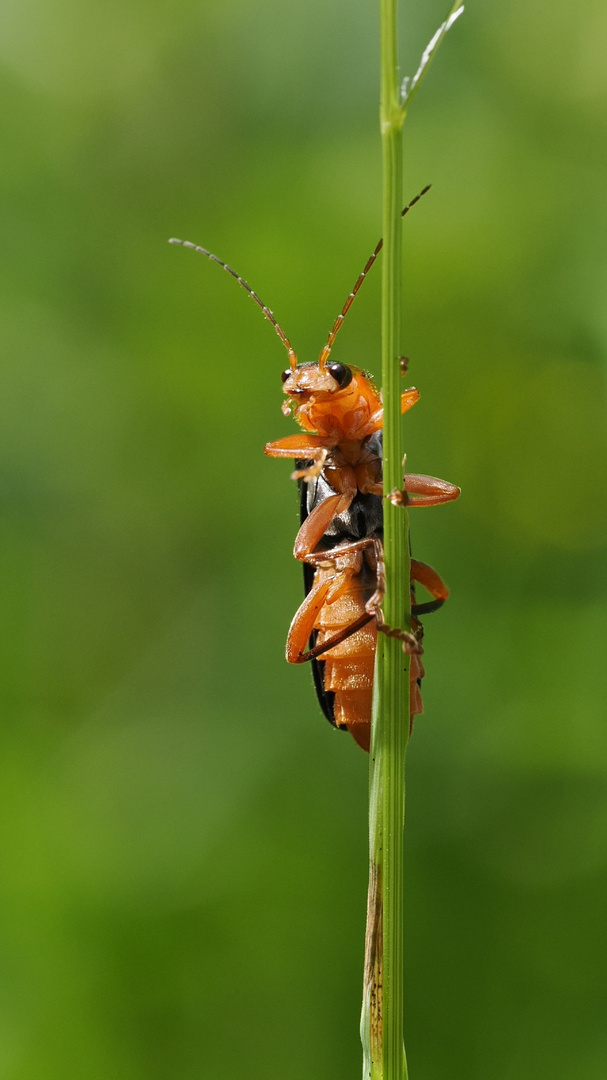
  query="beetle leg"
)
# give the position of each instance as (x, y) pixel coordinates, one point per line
(422, 490)
(314, 448)
(432, 581)
(337, 639)
(317, 523)
(419, 491)
(408, 399)
(374, 487)
(303, 621)
(410, 641)
(298, 446)
(376, 420)
(314, 470)
(331, 555)
(325, 591)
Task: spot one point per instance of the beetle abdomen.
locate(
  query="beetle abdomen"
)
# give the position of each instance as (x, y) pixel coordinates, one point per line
(347, 669)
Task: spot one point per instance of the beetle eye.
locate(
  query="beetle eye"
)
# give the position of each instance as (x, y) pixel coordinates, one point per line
(341, 374)
(285, 374)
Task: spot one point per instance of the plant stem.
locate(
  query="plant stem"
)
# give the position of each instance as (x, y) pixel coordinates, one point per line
(383, 995)
(383, 988)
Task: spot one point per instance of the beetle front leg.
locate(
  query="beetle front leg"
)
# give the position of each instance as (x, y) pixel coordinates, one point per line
(376, 420)
(314, 448)
(313, 470)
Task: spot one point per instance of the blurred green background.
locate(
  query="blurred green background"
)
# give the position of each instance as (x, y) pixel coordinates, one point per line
(183, 836)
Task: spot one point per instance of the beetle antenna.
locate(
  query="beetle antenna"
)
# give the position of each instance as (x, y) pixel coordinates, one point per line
(361, 277)
(266, 311)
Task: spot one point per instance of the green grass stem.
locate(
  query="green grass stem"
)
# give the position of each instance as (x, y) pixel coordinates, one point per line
(382, 1020)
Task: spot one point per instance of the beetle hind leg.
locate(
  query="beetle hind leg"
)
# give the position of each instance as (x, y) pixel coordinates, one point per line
(408, 638)
(432, 581)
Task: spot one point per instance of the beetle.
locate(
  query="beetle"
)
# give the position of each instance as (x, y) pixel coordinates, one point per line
(340, 542)
(338, 461)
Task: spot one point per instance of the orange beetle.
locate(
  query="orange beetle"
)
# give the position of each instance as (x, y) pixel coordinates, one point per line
(339, 467)
(340, 540)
